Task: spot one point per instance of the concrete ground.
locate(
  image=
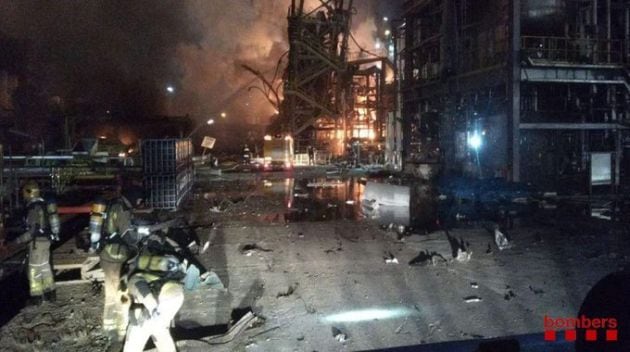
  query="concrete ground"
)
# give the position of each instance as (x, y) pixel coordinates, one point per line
(315, 273)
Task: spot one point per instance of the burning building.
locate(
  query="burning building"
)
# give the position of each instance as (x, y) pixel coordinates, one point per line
(334, 97)
(531, 90)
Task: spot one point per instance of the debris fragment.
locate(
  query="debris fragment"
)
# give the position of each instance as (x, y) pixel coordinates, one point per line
(391, 261)
(474, 285)
(489, 250)
(289, 291)
(509, 295)
(500, 239)
(249, 249)
(536, 291)
(425, 258)
(192, 281)
(472, 299)
(349, 202)
(390, 258)
(205, 247)
(339, 335)
(463, 256)
(212, 280)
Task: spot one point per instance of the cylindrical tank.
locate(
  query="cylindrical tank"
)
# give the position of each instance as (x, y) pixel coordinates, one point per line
(543, 17)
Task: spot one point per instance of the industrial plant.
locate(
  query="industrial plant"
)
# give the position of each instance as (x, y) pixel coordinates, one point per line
(315, 175)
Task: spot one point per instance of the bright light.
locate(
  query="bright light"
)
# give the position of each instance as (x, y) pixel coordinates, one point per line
(355, 316)
(276, 112)
(223, 115)
(475, 141)
(102, 137)
(170, 89)
(267, 137)
(210, 122)
(122, 155)
(377, 45)
(288, 138)
(388, 32)
(385, 19)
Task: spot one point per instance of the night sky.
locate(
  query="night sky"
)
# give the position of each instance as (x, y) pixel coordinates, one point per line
(121, 55)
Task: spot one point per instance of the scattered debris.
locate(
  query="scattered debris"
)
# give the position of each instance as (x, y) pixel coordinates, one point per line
(289, 291)
(390, 259)
(509, 295)
(401, 326)
(245, 321)
(474, 285)
(216, 209)
(463, 256)
(212, 280)
(339, 335)
(192, 281)
(500, 239)
(249, 249)
(472, 299)
(425, 258)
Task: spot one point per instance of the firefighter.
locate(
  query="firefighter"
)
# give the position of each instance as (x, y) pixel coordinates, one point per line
(109, 224)
(42, 227)
(157, 294)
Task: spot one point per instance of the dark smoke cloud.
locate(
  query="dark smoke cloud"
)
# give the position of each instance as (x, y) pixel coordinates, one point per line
(123, 53)
(116, 54)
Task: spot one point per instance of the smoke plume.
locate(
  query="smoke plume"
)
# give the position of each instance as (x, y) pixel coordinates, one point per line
(121, 55)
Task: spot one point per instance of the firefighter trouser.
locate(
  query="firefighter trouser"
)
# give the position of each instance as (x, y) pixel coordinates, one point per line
(116, 307)
(156, 327)
(40, 275)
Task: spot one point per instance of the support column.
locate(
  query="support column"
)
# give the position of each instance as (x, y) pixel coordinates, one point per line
(514, 89)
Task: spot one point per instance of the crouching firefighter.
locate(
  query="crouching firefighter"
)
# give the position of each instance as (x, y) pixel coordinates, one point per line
(110, 221)
(157, 295)
(42, 227)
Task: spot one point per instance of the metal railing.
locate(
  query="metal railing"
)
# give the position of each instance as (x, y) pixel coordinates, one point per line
(574, 50)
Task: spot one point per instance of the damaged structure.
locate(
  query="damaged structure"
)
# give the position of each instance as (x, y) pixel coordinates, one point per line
(531, 90)
(335, 99)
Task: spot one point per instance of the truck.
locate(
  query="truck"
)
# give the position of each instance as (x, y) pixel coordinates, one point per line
(278, 153)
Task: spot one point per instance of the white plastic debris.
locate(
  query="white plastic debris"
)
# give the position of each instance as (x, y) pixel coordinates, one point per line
(391, 260)
(463, 256)
(500, 240)
(472, 299)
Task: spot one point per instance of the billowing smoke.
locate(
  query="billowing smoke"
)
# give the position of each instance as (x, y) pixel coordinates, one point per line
(121, 55)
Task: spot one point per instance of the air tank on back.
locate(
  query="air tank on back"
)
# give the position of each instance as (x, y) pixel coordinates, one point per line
(543, 17)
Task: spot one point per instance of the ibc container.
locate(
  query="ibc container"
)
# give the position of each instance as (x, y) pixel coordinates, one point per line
(166, 156)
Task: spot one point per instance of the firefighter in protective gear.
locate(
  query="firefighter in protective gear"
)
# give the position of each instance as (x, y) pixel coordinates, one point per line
(109, 223)
(42, 227)
(158, 295)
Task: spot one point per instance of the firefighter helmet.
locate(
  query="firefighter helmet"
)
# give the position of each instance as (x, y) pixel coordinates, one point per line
(30, 191)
